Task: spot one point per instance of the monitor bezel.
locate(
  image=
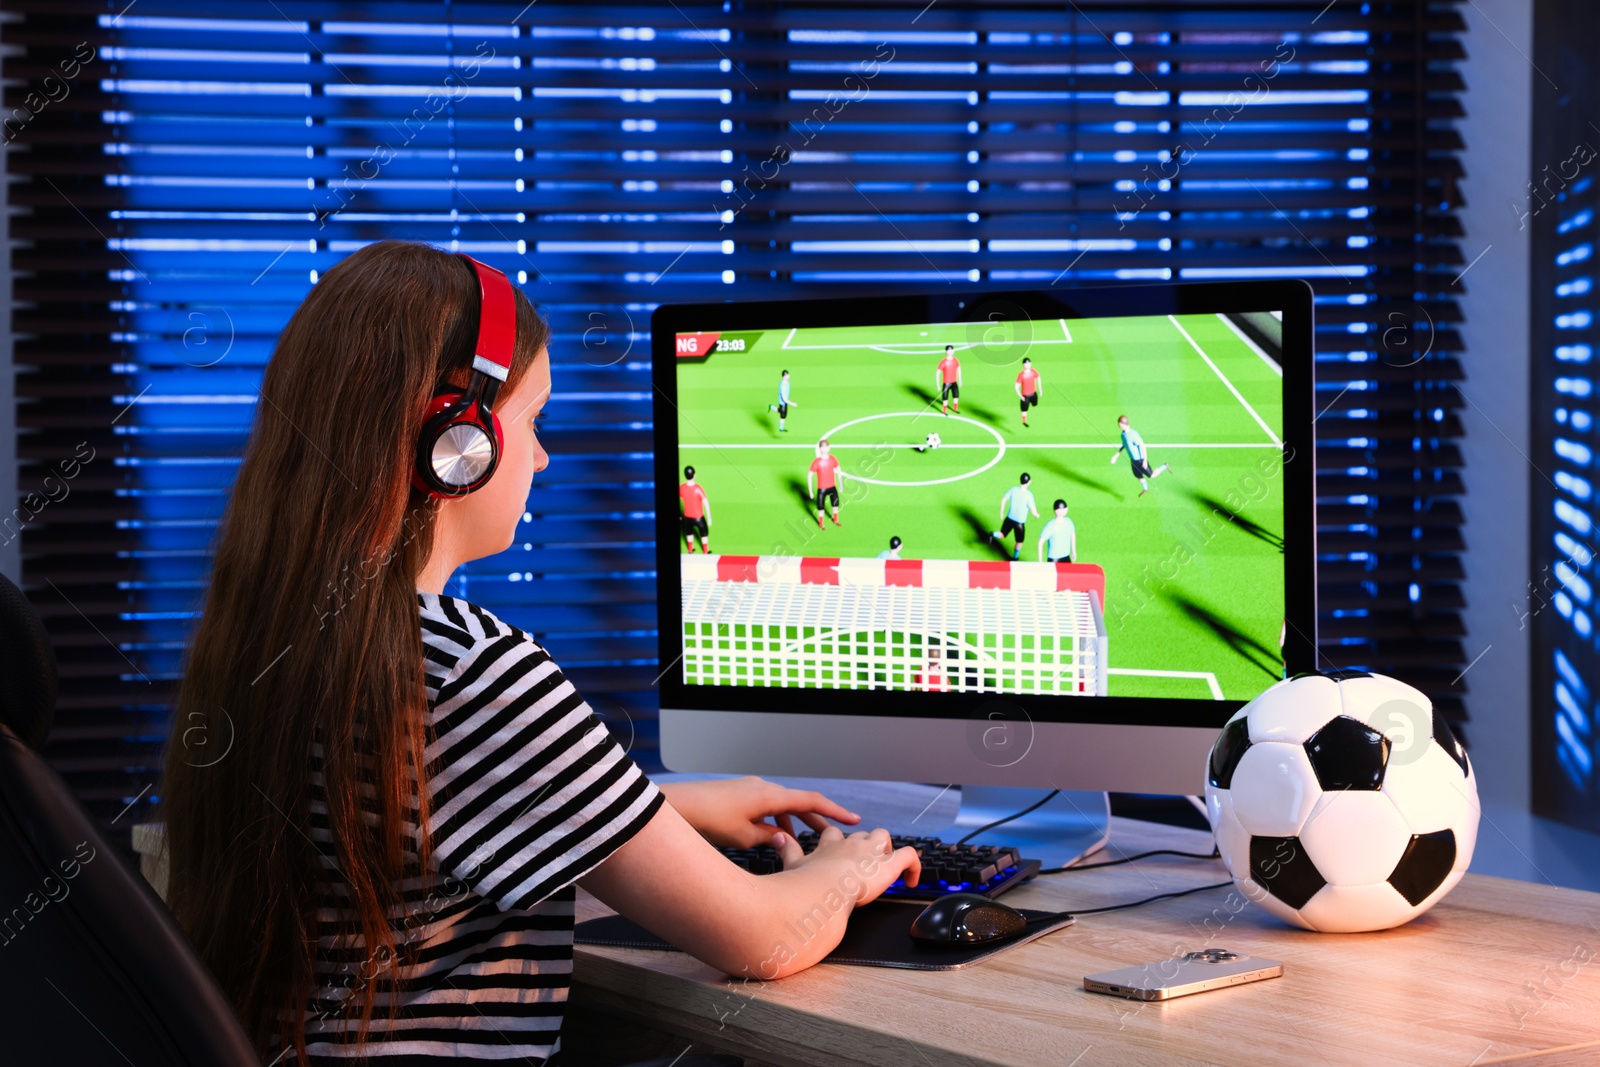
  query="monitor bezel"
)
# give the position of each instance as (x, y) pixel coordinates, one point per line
(1291, 297)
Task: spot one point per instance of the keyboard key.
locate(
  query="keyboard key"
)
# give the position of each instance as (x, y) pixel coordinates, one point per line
(946, 867)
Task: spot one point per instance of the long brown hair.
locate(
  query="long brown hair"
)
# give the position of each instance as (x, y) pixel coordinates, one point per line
(311, 632)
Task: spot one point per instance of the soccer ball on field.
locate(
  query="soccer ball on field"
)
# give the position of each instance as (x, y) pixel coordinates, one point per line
(1340, 802)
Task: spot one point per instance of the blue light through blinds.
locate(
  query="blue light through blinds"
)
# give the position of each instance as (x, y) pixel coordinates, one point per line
(213, 159)
(1565, 577)
(1560, 610)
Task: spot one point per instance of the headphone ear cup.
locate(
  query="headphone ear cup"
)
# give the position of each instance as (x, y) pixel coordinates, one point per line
(440, 402)
(437, 422)
(421, 467)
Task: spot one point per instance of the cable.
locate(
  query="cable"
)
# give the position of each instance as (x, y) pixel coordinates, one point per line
(1058, 916)
(1048, 797)
(1213, 854)
(1151, 900)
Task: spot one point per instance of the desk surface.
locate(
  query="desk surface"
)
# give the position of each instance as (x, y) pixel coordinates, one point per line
(1498, 970)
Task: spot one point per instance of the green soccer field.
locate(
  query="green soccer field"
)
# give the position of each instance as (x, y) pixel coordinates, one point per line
(1194, 569)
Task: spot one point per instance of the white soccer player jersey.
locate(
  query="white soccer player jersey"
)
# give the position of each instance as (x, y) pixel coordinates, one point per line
(1133, 443)
(1060, 537)
(1019, 502)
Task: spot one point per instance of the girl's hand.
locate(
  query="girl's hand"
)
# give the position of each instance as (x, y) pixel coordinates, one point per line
(732, 812)
(868, 863)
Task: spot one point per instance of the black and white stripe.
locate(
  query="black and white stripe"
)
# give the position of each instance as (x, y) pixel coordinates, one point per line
(529, 793)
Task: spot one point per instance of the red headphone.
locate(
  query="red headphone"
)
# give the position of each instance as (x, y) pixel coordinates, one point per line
(459, 444)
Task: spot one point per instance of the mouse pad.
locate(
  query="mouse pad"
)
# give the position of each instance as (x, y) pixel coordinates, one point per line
(877, 935)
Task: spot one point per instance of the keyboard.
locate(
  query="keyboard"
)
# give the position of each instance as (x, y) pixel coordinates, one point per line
(972, 868)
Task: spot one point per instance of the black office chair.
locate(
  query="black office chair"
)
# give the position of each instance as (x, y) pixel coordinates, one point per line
(93, 968)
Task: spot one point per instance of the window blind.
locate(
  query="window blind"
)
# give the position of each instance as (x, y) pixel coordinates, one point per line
(1558, 610)
(182, 181)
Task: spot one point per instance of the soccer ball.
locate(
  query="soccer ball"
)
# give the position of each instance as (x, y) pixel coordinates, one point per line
(1340, 802)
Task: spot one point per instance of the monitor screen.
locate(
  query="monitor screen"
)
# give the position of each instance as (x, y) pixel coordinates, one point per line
(992, 502)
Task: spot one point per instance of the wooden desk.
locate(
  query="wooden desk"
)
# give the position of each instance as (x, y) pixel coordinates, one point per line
(1498, 971)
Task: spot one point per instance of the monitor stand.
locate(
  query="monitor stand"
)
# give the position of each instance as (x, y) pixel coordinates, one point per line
(1071, 825)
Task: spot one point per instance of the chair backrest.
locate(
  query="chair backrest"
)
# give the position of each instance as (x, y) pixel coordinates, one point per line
(93, 968)
(28, 670)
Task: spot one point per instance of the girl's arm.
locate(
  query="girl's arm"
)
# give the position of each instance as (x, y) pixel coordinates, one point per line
(670, 880)
(733, 812)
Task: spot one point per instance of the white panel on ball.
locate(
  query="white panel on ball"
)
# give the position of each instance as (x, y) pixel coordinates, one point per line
(1354, 837)
(1430, 792)
(1344, 909)
(1256, 895)
(1291, 711)
(1364, 697)
(1274, 789)
(1232, 840)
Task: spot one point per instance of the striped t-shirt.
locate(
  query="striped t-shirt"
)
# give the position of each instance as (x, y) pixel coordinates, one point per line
(529, 792)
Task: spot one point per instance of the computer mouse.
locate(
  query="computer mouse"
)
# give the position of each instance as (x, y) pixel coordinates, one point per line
(967, 919)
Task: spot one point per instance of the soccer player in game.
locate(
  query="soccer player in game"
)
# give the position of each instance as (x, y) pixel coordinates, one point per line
(1137, 454)
(893, 551)
(696, 511)
(930, 679)
(929, 445)
(948, 377)
(784, 403)
(1059, 538)
(1027, 388)
(1014, 509)
(825, 469)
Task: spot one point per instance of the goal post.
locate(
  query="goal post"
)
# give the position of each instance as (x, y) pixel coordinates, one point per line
(970, 626)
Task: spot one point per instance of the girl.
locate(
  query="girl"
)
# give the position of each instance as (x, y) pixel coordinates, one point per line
(384, 863)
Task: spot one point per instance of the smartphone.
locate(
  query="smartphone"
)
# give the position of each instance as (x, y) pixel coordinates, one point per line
(1178, 976)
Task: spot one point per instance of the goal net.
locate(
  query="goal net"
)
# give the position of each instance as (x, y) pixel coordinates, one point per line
(911, 625)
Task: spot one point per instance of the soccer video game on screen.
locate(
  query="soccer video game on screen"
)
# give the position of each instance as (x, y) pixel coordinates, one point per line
(1075, 507)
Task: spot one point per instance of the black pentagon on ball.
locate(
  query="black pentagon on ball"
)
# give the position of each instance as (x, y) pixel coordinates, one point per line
(1346, 753)
(1447, 741)
(1227, 750)
(1424, 865)
(1281, 866)
(1337, 674)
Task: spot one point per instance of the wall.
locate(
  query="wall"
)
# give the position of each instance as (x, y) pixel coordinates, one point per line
(1495, 303)
(1499, 74)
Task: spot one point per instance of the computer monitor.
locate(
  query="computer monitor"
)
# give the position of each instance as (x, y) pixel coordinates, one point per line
(908, 603)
